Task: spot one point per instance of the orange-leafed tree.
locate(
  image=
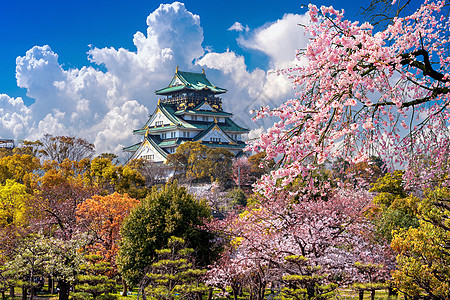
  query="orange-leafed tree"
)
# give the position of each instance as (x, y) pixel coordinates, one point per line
(102, 216)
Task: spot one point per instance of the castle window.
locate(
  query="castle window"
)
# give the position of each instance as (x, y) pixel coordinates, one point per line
(205, 118)
(172, 134)
(185, 134)
(149, 157)
(159, 123)
(216, 140)
(194, 118)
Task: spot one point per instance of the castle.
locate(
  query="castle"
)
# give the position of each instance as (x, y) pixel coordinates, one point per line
(190, 111)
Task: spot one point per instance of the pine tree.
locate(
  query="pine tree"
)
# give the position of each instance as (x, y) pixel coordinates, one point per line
(93, 281)
(173, 276)
(308, 282)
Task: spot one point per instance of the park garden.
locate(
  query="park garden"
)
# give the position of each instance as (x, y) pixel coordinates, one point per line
(345, 196)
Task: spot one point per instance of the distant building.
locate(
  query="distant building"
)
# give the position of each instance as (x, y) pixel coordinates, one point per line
(190, 111)
(7, 143)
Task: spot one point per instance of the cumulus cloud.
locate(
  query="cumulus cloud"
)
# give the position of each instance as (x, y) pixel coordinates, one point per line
(238, 27)
(247, 90)
(15, 117)
(279, 40)
(105, 106)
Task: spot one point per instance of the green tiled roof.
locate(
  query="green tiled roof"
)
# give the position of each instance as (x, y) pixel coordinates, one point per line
(169, 111)
(190, 81)
(153, 129)
(237, 144)
(205, 131)
(203, 112)
(229, 125)
(240, 145)
(132, 148)
(154, 142)
(170, 142)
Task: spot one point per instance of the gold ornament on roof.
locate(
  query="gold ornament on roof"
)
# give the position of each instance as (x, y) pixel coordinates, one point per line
(203, 71)
(176, 71)
(215, 120)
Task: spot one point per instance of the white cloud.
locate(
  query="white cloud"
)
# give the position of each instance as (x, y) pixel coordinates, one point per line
(238, 27)
(105, 106)
(101, 106)
(256, 133)
(250, 90)
(279, 40)
(15, 117)
(247, 90)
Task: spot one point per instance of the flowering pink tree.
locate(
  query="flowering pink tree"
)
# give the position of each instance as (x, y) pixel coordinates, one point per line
(281, 237)
(362, 93)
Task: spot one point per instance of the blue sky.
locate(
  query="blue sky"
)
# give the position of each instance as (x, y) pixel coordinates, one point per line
(104, 94)
(69, 27)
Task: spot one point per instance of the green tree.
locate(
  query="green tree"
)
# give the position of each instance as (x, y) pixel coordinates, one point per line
(172, 275)
(110, 178)
(20, 168)
(65, 261)
(189, 162)
(393, 207)
(169, 211)
(238, 197)
(259, 164)
(29, 260)
(368, 271)
(306, 282)
(7, 280)
(423, 261)
(218, 163)
(13, 204)
(92, 280)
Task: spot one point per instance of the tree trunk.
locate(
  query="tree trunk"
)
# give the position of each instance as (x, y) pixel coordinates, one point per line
(144, 297)
(235, 293)
(310, 290)
(372, 294)
(50, 285)
(24, 293)
(210, 293)
(64, 290)
(361, 294)
(391, 292)
(262, 291)
(12, 293)
(3, 295)
(125, 288)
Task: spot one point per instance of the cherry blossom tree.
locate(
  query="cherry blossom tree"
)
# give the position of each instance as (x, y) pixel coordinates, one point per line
(362, 93)
(359, 94)
(284, 237)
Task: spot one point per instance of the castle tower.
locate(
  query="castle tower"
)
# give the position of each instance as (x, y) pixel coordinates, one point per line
(189, 111)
